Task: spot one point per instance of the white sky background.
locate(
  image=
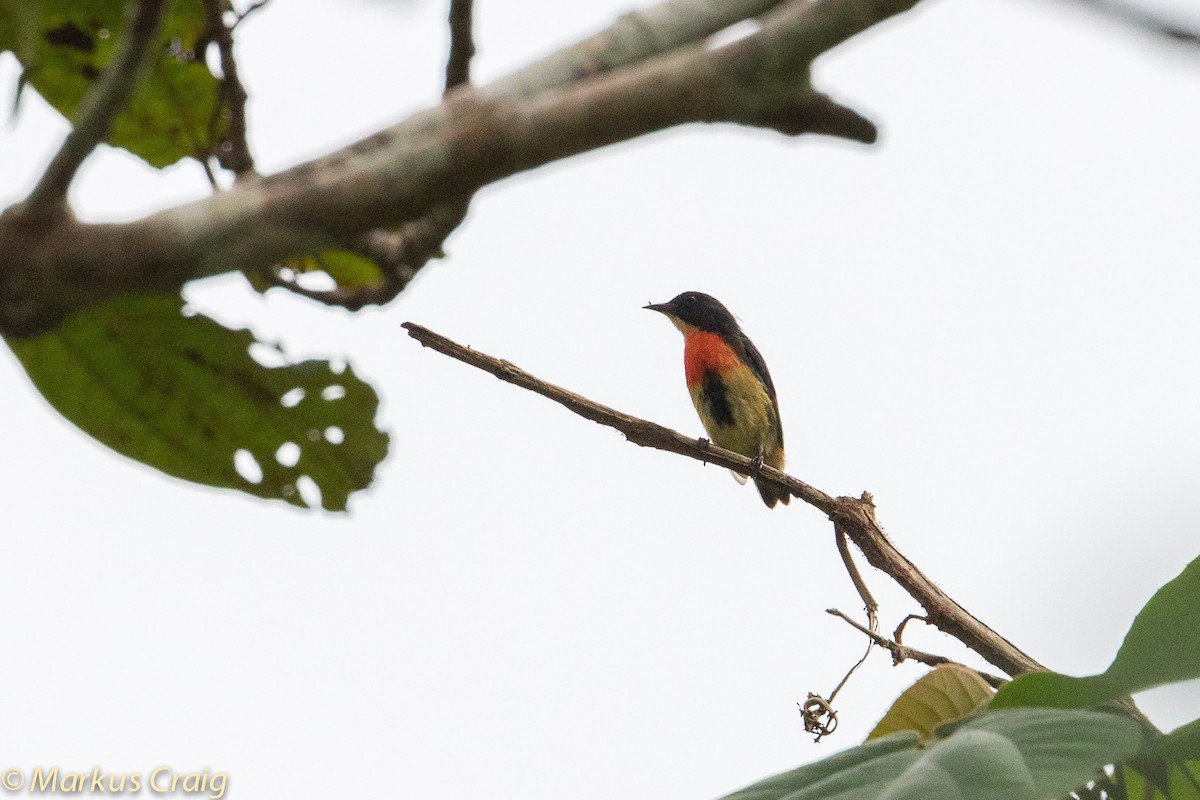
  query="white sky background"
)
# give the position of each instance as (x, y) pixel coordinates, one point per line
(989, 320)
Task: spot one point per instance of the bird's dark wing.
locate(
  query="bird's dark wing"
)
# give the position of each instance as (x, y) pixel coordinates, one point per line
(750, 355)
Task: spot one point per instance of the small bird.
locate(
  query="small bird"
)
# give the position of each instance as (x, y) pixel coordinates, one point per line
(729, 384)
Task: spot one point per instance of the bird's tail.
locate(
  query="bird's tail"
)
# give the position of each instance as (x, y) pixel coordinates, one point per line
(772, 494)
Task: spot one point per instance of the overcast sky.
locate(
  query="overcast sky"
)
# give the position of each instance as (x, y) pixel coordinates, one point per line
(989, 320)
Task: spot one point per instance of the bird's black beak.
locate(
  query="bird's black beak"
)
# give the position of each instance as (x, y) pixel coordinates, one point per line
(662, 308)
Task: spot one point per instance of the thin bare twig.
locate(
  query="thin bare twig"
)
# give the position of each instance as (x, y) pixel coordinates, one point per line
(249, 10)
(639, 431)
(901, 653)
(208, 173)
(103, 101)
(870, 643)
(462, 45)
(819, 715)
(904, 623)
(234, 152)
(860, 585)
(1144, 19)
(855, 516)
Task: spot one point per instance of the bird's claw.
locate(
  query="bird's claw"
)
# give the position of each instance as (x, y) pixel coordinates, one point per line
(756, 465)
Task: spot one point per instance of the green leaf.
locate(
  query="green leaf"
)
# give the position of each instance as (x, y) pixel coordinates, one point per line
(1181, 743)
(349, 270)
(1156, 781)
(176, 110)
(1167, 766)
(18, 26)
(944, 694)
(183, 394)
(1023, 754)
(1162, 646)
(860, 772)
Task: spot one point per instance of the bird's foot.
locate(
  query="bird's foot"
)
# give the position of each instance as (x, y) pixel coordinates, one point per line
(756, 465)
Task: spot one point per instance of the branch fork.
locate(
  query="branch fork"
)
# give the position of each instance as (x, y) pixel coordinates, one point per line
(650, 71)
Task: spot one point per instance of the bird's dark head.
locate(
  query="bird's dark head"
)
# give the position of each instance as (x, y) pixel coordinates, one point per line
(697, 310)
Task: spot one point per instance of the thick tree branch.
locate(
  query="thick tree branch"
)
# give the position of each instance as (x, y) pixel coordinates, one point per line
(103, 101)
(441, 157)
(854, 516)
(634, 37)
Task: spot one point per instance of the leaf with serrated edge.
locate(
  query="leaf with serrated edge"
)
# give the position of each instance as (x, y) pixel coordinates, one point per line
(183, 394)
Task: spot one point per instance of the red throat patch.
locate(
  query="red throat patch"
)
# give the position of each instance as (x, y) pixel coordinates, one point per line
(706, 352)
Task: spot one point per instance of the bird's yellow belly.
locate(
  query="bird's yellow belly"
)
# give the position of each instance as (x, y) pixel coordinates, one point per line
(752, 429)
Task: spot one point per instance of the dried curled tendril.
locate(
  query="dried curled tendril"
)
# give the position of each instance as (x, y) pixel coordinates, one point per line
(819, 716)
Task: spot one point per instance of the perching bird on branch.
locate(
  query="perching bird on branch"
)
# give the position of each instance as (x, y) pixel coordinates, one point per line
(729, 384)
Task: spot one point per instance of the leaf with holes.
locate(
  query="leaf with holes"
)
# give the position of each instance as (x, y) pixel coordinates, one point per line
(177, 109)
(184, 395)
(1024, 754)
(944, 694)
